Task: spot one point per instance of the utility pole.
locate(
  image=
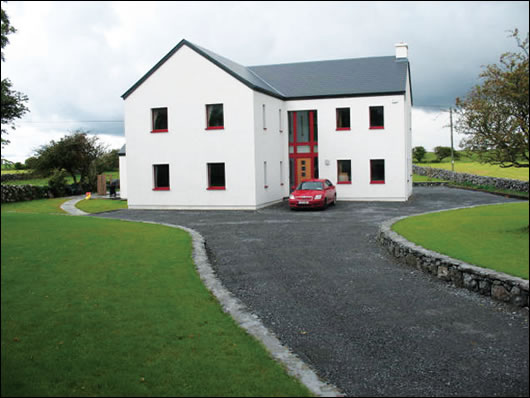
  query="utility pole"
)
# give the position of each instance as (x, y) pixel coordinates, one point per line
(452, 152)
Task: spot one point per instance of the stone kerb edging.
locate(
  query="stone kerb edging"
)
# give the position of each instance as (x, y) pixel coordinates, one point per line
(250, 322)
(496, 285)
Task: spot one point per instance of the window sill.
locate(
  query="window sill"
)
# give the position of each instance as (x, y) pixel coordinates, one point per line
(343, 128)
(377, 127)
(159, 131)
(377, 182)
(216, 188)
(161, 189)
(215, 128)
(343, 182)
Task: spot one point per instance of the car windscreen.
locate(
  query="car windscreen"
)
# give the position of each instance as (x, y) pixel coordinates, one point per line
(311, 185)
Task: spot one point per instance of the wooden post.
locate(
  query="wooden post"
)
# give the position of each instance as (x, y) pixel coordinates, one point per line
(102, 184)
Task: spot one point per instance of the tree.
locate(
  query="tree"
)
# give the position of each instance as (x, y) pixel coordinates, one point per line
(109, 161)
(76, 153)
(442, 152)
(418, 153)
(495, 114)
(13, 102)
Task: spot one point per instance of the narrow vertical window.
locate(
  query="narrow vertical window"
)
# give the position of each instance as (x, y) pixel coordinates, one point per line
(265, 175)
(280, 120)
(281, 173)
(343, 119)
(159, 120)
(377, 171)
(216, 176)
(161, 177)
(377, 117)
(214, 117)
(264, 115)
(343, 171)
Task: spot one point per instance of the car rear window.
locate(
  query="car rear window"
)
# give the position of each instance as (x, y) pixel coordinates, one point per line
(314, 185)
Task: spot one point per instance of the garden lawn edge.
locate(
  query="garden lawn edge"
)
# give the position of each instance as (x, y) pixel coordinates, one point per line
(250, 322)
(515, 289)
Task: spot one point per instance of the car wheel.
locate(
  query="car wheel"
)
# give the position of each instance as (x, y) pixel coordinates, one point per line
(325, 204)
(334, 200)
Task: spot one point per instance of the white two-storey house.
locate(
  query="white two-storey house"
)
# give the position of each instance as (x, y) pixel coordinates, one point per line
(203, 132)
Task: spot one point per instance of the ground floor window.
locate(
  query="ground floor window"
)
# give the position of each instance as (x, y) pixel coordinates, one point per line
(216, 176)
(377, 171)
(343, 171)
(161, 177)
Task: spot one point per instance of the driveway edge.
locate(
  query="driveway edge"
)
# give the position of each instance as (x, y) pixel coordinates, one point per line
(251, 323)
(497, 285)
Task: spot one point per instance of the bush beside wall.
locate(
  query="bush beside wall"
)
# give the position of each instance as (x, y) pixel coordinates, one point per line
(499, 183)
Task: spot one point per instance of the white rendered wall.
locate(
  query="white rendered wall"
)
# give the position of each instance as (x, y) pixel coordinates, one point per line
(361, 144)
(185, 84)
(123, 177)
(271, 146)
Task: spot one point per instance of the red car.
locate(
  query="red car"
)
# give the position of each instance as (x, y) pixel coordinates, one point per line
(313, 194)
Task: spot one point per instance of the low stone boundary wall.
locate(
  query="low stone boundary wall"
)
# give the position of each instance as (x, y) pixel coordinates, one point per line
(19, 193)
(17, 177)
(497, 285)
(500, 183)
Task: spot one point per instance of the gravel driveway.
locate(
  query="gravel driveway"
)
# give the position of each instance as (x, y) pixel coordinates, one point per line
(372, 327)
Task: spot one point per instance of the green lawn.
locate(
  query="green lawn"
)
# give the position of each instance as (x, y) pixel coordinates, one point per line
(100, 205)
(40, 206)
(471, 165)
(494, 237)
(95, 307)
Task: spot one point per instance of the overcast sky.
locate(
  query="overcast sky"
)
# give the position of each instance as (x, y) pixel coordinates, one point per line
(74, 60)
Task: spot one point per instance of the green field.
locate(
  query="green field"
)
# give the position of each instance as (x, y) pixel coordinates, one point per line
(44, 181)
(494, 236)
(471, 165)
(97, 307)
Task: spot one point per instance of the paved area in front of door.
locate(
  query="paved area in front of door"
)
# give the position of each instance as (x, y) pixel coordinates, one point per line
(367, 324)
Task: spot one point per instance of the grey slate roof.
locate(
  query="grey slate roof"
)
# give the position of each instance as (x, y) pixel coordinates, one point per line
(122, 150)
(319, 79)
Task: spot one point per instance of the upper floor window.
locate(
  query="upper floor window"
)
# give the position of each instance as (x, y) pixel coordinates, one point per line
(214, 117)
(343, 119)
(264, 115)
(161, 177)
(280, 120)
(377, 117)
(159, 120)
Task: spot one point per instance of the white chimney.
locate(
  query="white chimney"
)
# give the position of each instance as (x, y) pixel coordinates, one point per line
(402, 50)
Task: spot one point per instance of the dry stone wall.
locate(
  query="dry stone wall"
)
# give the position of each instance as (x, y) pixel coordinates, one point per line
(499, 183)
(497, 285)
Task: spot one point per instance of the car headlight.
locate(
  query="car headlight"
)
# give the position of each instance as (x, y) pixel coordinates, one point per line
(317, 197)
(291, 196)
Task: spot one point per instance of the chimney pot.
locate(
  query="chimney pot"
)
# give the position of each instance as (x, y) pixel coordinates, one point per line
(402, 50)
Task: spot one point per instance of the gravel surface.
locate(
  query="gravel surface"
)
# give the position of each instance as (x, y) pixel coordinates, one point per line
(371, 326)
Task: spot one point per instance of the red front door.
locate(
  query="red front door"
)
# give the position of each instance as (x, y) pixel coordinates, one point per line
(303, 146)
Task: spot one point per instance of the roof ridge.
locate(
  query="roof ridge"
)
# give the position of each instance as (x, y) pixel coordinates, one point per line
(322, 61)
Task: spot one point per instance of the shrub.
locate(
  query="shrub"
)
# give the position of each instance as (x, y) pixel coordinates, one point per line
(57, 183)
(418, 152)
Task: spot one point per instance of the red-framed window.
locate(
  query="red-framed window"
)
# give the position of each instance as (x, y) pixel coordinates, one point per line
(214, 117)
(161, 177)
(343, 119)
(377, 117)
(377, 171)
(343, 171)
(159, 122)
(216, 176)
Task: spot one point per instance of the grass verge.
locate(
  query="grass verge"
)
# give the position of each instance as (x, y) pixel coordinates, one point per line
(94, 307)
(101, 205)
(494, 236)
